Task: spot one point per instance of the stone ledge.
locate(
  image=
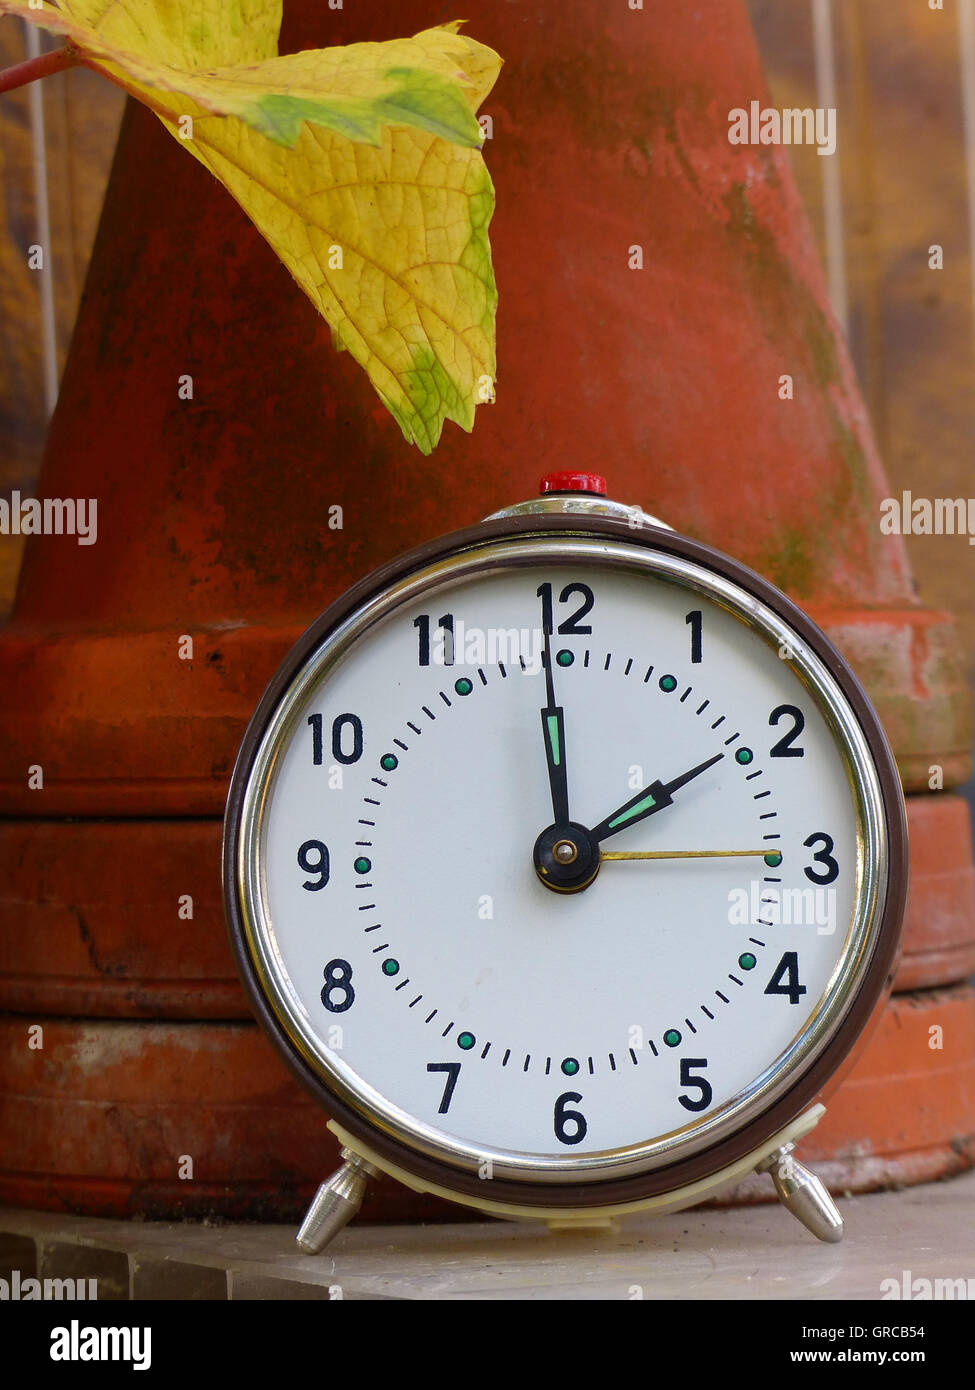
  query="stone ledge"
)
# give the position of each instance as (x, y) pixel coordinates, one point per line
(742, 1253)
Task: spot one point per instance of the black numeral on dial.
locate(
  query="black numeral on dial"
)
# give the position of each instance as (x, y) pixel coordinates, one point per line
(570, 626)
(699, 1083)
(452, 1070)
(570, 1125)
(337, 992)
(786, 978)
(341, 739)
(695, 622)
(444, 625)
(784, 748)
(824, 856)
(313, 858)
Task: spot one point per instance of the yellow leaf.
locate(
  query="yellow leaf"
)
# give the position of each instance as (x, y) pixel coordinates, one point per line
(182, 34)
(360, 166)
(413, 299)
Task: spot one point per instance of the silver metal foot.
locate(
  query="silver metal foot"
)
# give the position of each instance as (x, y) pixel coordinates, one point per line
(335, 1203)
(802, 1193)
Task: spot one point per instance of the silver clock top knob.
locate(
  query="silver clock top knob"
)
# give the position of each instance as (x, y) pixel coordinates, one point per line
(581, 493)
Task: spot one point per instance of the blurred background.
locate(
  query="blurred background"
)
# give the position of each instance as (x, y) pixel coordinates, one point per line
(903, 81)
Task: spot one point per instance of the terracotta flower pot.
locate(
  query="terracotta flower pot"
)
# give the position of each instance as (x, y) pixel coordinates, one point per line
(610, 131)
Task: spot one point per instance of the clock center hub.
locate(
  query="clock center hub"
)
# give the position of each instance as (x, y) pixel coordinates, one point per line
(566, 858)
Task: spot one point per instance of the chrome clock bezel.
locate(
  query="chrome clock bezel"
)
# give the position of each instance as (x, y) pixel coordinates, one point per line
(539, 547)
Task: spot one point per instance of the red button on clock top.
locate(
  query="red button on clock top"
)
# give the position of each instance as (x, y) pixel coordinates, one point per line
(573, 482)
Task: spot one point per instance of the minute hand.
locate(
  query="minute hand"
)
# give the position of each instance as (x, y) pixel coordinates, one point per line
(652, 799)
(553, 733)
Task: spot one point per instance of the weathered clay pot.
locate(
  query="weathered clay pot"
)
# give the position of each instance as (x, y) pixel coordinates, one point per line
(610, 132)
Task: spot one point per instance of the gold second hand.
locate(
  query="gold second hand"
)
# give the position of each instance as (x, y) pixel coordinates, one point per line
(687, 854)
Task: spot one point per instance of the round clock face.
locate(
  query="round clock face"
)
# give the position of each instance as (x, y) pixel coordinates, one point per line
(560, 859)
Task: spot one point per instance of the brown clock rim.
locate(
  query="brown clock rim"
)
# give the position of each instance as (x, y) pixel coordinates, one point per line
(874, 983)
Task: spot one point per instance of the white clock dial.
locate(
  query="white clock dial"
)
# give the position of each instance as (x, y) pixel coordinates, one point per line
(432, 915)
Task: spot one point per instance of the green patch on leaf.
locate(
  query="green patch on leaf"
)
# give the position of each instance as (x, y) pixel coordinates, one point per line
(423, 100)
(432, 396)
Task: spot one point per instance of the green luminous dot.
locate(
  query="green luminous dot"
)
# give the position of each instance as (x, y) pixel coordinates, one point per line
(463, 686)
(570, 1066)
(747, 961)
(672, 1037)
(390, 967)
(466, 1041)
(389, 762)
(565, 658)
(668, 683)
(362, 866)
(773, 859)
(744, 756)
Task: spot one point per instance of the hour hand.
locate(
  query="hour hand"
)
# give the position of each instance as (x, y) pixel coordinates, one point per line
(653, 798)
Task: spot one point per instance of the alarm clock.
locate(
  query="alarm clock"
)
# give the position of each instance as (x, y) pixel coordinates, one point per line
(565, 863)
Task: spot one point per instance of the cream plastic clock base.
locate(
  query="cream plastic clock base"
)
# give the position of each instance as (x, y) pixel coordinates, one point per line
(806, 1199)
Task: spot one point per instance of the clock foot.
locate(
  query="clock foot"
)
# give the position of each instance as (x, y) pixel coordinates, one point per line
(335, 1203)
(802, 1193)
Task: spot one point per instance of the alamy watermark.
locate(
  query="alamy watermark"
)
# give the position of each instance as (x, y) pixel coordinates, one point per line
(908, 515)
(763, 904)
(50, 516)
(17, 1289)
(77, 1343)
(457, 644)
(792, 126)
(926, 1290)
